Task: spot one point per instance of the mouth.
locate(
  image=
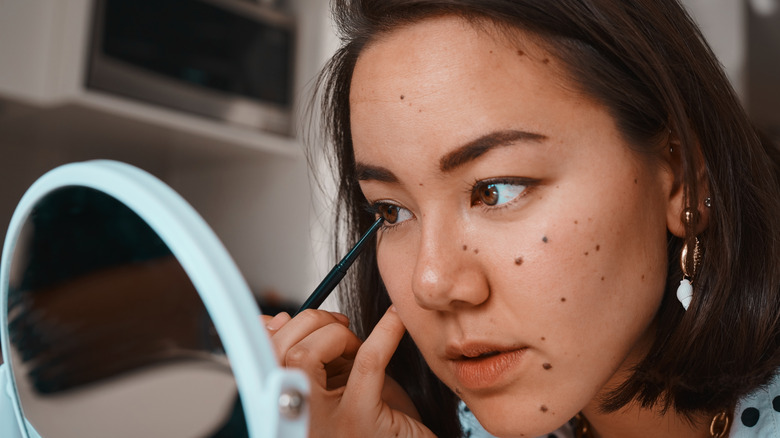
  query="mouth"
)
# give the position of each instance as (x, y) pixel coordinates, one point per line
(476, 351)
(482, 367)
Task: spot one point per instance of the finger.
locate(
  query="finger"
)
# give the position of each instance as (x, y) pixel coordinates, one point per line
(368, 372)
(265, 318)
(298, 328)
(321, 347)
(275, 323)
(341, 317)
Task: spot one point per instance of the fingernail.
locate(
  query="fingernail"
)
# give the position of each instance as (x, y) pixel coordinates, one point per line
(277, 322)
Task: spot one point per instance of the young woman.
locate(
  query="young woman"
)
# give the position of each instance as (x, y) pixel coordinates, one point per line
(553, 175)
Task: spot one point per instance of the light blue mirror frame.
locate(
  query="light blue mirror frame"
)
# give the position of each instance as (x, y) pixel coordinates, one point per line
(265, 388)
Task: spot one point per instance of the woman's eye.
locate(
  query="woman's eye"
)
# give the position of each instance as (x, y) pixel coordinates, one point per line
(393, 214)
(493, 193)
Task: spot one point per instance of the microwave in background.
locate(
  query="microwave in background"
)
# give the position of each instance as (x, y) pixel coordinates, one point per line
(230, 60)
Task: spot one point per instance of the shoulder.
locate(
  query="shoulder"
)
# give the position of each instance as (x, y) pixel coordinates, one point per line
(472, 428)
(758, 414)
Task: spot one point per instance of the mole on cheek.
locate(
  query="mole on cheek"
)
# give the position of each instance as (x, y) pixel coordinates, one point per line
(543, 408)
(544, 239)
(465, 247)
(547, 366)
(543, 338)
(598, 247)
(519, 261)
(563, 299)
(476, 250)
(402, 97)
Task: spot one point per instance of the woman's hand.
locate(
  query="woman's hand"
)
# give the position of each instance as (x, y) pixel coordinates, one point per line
(350, 394)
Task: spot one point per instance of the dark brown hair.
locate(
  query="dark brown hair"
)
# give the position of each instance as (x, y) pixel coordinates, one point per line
(648, 64)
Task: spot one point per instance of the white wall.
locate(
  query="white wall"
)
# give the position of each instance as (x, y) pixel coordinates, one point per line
(724, 26)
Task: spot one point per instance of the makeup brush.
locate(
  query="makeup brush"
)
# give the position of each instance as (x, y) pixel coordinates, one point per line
(339, 271)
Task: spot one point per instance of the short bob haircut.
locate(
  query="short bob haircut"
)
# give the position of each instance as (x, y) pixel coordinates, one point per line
(647, 63)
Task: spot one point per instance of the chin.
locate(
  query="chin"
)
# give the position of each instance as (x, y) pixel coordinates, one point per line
(504, 423)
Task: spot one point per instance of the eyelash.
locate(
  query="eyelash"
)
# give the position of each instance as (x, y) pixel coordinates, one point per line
(375, 208)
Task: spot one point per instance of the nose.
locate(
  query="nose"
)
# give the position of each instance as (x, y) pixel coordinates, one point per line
(447, 273)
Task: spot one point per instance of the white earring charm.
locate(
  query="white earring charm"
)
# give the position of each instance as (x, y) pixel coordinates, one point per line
(688, 263)
(685, 292)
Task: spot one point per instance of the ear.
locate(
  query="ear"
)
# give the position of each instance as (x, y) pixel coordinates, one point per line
(675, 219)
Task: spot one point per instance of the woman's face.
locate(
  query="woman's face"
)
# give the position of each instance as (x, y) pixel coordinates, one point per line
(528, 254)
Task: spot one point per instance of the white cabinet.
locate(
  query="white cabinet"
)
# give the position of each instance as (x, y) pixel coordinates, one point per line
(251, 186)
(44, 46)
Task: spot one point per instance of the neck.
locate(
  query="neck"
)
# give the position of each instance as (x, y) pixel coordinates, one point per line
(636, 422)
(633, 421)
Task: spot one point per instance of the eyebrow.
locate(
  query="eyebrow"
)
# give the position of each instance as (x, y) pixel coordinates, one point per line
(457, 158)
(475, 148)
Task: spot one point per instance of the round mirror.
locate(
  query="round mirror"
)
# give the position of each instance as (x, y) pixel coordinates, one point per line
(108, 333)
(105, 324)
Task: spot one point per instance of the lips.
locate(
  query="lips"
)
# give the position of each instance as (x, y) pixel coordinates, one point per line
(484, 366)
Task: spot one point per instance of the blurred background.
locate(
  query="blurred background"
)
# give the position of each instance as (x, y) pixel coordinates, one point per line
(208, 96)
(211, 96)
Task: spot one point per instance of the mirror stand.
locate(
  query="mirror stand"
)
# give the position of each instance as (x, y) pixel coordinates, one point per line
(9, 424)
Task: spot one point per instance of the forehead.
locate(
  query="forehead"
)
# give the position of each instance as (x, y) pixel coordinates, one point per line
(443, 81)
(431, 51)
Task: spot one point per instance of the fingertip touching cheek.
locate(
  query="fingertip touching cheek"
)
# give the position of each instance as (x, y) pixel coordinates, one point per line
(524, 260)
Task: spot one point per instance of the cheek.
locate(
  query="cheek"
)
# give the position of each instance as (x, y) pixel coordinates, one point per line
(396, 259)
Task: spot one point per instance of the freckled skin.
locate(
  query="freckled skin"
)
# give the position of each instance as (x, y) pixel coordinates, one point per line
(445, 295)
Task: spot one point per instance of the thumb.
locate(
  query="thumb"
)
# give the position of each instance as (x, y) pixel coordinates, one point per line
(367, 378)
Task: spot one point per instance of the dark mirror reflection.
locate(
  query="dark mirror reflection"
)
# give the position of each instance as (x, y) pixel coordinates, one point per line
(109, 337)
